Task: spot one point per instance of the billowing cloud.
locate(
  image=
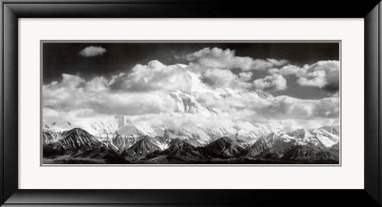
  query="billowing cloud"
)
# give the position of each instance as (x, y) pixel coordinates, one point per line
(226, 59)
(286, 107)
(146, 90)
(219, 78)
(216, 78)
(252, 106)
(287, 70)
(322, 74)
(245, 76)
(154, 76)
(92, 51)
(316, 78)
(271, 83)
(260, 108)
(73, 93)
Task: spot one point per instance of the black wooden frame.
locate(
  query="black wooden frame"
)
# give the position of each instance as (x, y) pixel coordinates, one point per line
(11, 10)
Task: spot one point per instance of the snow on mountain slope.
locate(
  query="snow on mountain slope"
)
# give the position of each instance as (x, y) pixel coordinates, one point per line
(328, 136)
(277, 144)
(142, 148)
(249, 133)
(102, 128)
(317, 137)
(77, 139)
(191, 121)
(56, 127)
(303, 137)
(187, 103)
(223, 147)
(332, 129)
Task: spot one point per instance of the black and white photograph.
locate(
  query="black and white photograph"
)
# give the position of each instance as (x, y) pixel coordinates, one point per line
(191, 102)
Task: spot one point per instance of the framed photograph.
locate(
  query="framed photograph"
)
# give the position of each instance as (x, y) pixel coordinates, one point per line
(205, 105)
(190, 103)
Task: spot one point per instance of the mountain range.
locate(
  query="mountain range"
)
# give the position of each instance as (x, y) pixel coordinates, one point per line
(191, 133)
(299, 146)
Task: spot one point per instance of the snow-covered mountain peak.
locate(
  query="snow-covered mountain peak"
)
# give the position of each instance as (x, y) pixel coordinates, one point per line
(331, 129)
(300, 133)
(187, 103)
(131, 131)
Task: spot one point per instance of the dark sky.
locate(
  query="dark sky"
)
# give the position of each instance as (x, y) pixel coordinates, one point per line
(119, 57)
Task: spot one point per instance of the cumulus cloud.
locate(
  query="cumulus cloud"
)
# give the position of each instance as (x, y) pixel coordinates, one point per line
(316, 78)
(255, 108)
(73, 93)
(154, 76)
(216, 78)
(271, 83)
(145, 90)
(287, 70)
(92, 51)
(286, 107)
(226, 59)
(322, 74)
(245, 76)
(220, 78)
(212, 77)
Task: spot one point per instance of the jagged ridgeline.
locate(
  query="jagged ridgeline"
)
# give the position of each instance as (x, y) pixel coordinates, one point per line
(192, 134)
(77, 146)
